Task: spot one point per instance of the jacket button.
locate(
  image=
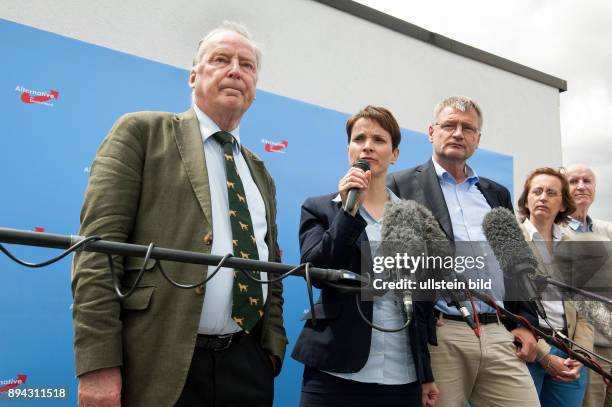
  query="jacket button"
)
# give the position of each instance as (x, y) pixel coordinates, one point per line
(208, 239)
(199, 290)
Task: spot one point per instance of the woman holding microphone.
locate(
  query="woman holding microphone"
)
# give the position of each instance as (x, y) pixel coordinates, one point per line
(347, 362)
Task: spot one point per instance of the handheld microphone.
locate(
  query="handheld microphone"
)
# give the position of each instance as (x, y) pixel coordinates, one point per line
(512, 252)
(353, 193)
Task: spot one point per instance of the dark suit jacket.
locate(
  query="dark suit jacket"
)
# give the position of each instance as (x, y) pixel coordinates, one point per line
(340, 341)
(149, 183)
(421, 185)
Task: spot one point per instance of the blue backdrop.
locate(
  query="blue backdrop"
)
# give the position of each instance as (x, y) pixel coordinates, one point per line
(59, 98)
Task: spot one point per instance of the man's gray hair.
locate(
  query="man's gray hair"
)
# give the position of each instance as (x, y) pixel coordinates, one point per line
(566, 170)
(226, 26)
(462, 103)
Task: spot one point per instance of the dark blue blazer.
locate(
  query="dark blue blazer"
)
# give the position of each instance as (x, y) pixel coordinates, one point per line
(421, 185)
(340, 340)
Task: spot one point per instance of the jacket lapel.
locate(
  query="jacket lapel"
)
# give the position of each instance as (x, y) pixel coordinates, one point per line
(191, 149)
(434, 197)
(490, 195)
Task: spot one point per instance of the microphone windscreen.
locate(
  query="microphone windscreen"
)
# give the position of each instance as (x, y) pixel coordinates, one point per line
(507, 241)
(409, 227)
(401, 222)
(436, 239)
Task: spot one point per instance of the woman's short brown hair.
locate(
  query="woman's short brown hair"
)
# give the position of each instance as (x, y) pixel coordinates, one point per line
(566, 197)
(381, 116)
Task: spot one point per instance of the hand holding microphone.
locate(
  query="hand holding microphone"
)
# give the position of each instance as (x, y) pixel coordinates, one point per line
(356, 180)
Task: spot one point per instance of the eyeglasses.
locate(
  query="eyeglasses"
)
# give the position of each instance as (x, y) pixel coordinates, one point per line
(450, 127)
(551, 193)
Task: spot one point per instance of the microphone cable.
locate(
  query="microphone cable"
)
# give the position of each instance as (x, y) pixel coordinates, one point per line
(360, 310)
(57, 258)
(122, 295)
(560, 340)
(377, 327)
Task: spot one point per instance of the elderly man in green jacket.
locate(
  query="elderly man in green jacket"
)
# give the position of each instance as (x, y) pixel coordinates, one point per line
(182, 181)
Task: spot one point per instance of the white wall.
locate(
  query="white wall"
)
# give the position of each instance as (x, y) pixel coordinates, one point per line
(324, 56)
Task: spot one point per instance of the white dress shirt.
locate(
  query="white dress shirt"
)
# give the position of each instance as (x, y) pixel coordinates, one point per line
(554, 309)
(216, 318)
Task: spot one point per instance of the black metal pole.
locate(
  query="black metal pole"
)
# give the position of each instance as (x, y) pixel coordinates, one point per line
(577, 290)
(551, 341)
(55, 241)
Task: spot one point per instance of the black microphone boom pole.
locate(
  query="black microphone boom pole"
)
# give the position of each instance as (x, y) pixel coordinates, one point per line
(551, 339)
(22, 237)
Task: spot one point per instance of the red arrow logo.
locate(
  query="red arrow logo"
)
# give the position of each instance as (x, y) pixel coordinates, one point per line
(21, 379)
(27, 98)
(276, 148)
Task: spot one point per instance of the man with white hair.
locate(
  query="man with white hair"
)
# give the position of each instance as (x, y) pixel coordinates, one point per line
(182, 181)
(583, 189)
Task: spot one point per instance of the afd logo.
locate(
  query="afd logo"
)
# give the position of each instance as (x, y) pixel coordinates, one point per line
(37, 97)
(275, 147)
(6, 385)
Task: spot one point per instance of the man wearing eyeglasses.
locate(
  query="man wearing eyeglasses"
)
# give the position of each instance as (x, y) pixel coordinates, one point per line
(488, 370)
(582, 188)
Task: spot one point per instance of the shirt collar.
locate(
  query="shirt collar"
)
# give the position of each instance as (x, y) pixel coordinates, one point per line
(392, 197)
(557, 232)
(208, 127)
(578, 226)
(443, 175)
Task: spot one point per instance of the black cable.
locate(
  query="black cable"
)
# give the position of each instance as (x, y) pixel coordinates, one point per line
(379, 328)
(565, 341)
(310, 294)
(556, 338)
(304, 266)
(158, 264)
(45, 263)
(138, 276)
(187, 286)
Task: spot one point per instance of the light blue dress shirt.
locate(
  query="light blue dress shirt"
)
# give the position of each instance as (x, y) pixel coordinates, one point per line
(390, 360)
(216, 318)
(467, 208)
(580, 227)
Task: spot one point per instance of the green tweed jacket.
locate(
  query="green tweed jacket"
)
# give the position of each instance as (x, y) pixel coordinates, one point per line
(149, 183)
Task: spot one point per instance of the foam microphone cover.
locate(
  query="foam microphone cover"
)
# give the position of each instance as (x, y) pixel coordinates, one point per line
(513, 253)
(401, 222)
(507, 241)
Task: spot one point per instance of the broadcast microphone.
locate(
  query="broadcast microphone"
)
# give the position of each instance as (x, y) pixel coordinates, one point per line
(441, 247)
(400, 226)
(512, 251)
(408, 221)
(353, 193)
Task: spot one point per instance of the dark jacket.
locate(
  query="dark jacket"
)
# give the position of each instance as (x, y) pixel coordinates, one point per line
(421, 185)
(340, 341)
